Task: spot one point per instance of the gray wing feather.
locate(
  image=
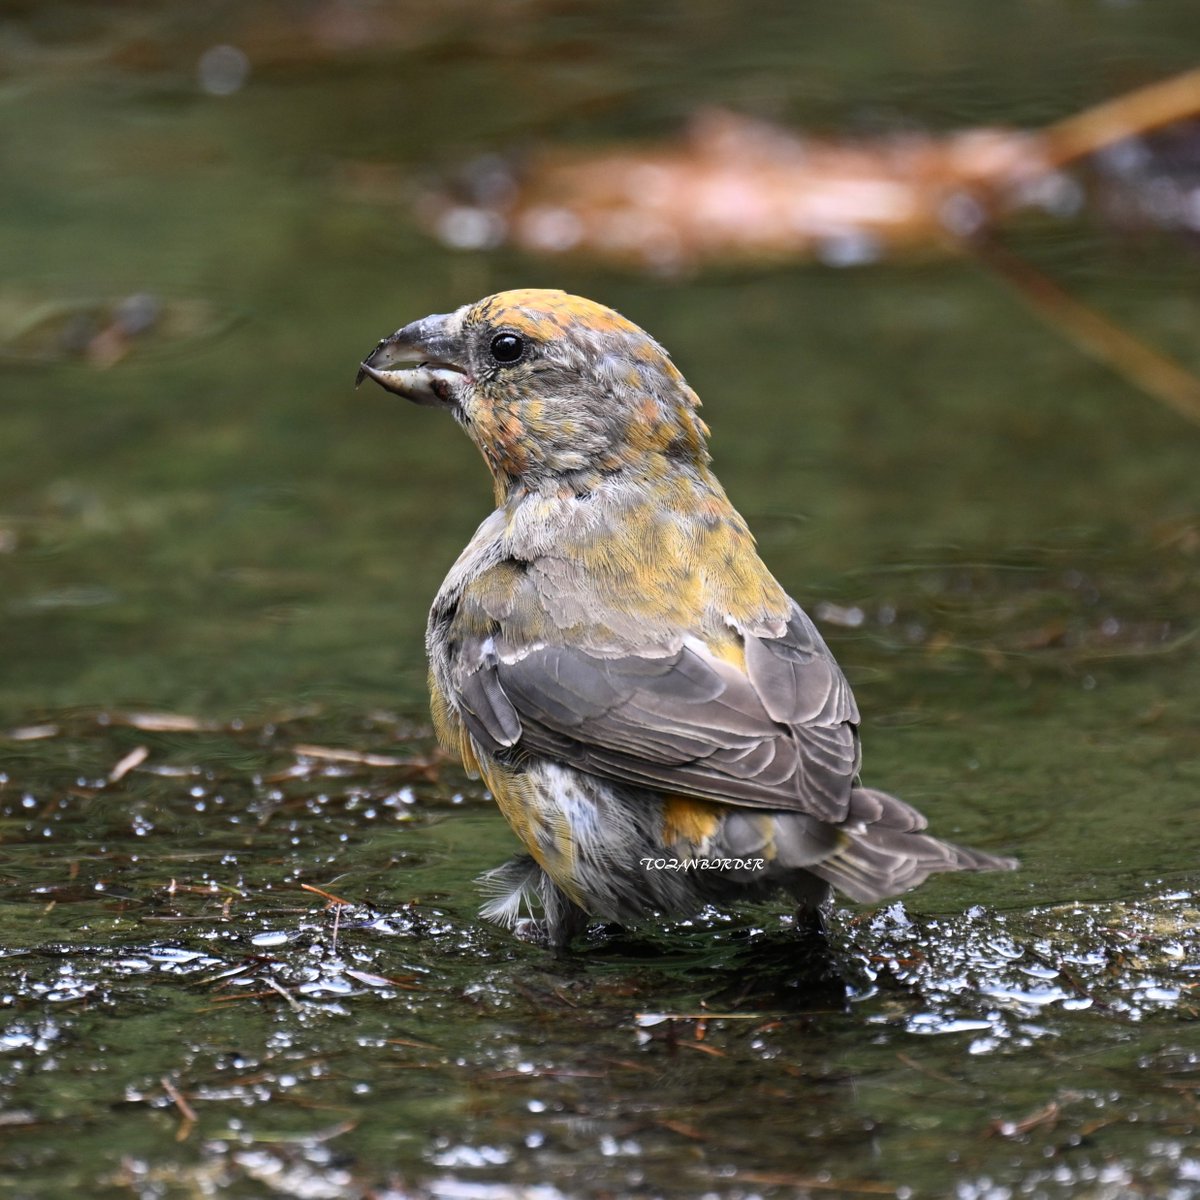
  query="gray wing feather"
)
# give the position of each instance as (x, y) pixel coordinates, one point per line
(796, 676)
(483, 703)
(780, 736)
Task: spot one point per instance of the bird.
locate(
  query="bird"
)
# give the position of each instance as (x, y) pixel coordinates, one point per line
(661, 725)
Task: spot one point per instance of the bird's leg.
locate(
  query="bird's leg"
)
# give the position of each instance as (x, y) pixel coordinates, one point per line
(564, 919)
(812, 923)
(814, 903)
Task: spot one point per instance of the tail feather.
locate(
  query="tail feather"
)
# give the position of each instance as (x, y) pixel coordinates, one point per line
(882, 850)
(873, 807)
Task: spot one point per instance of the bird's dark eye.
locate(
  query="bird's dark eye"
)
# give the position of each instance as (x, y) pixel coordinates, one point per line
(507, 347)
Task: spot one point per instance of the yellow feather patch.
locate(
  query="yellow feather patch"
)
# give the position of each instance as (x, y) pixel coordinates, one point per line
(516, 797)
(544, 312)
(450, 731)
(732, 651)
(689, 823)
(510, 790)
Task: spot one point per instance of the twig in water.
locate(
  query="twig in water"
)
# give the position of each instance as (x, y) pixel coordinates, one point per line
(1096, 335)
(293, 1003)
(185, 1109)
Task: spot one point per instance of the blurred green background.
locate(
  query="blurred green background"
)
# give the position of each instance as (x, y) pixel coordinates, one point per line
(219, 522)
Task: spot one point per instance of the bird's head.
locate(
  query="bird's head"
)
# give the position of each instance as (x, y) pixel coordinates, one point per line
(557, 391)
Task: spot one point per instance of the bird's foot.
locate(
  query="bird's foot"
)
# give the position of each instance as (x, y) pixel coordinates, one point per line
(531, 930)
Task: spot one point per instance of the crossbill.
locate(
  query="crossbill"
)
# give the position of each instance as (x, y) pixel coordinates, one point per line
(660, 723)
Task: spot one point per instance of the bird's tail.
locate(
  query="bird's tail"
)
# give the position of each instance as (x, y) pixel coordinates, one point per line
(881, 849)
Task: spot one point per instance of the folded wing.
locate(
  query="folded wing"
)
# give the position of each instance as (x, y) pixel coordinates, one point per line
(780, 733)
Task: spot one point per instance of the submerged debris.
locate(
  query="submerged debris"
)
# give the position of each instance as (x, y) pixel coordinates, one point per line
(101, 333)
(738, 190)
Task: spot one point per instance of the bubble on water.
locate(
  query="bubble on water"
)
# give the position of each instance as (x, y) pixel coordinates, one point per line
(836, 614)
(962, 215)
(471, 1156)
(551, 229)
(222, 70)
(849, 249)
(467, 228)
(271, 938)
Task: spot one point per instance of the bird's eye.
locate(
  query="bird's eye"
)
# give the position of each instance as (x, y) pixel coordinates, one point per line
(507, 347)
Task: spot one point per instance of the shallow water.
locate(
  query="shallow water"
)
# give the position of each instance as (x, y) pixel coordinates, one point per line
(999, 538)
